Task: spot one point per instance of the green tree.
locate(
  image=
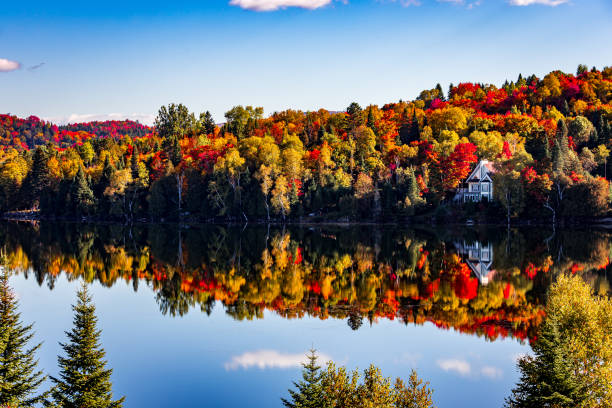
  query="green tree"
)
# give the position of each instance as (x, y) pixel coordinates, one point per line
(37, 179)
(19, 378)
(172, 148)
(134, 163)
(572, 361)
(174, 121)
(309, 391)
(81, 195)
(509, 192)
(239, 118)
(207, 123)
(440, 91)
(84, 380)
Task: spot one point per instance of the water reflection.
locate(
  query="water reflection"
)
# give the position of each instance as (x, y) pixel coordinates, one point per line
(485, 282)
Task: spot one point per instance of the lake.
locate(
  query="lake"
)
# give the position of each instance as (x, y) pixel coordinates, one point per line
(212, 316)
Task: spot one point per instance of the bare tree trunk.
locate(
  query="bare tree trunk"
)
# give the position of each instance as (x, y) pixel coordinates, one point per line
(180, 177)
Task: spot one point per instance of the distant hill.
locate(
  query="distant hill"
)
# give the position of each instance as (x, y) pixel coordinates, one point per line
(26, 134)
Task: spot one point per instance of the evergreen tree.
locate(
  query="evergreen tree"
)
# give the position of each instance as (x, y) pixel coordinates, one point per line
(84, 380)
(565, 109)
(415, 132)
(207, 123)
(450, 90)
(412, 190)
(309, 392)
(81, 195)
(320, 133)
(38, 177)
(558, 161)
(19, 378)
(371, 122)
(173, 149)
(134, 163)
(547, 379)
(581, 69)
(440, 91)
(561, 137)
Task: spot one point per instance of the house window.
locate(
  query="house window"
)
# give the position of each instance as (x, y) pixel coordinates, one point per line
(474, 188)
(485, 187)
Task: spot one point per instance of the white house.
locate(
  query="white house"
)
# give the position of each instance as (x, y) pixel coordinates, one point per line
(479, 257)
(478, 185)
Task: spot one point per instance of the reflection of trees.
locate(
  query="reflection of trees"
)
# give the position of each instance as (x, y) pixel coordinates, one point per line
(352, 274)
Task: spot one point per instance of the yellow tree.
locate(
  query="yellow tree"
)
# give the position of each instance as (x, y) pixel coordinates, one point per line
(280, 196)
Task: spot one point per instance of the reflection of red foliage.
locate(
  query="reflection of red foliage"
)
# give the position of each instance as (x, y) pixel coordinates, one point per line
(507, 290)
(465, 286)
(298, 256)
(531, 271)
(422, 259)
(576, 268)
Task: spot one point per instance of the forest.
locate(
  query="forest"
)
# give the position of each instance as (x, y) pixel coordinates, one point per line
(549, 139)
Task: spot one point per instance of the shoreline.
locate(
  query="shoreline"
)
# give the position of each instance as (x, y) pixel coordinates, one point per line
(604, 222)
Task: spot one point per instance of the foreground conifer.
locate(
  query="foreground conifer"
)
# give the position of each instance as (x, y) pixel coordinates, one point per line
(571, 365)
(19, 378)
(309, 392)
(84, 380)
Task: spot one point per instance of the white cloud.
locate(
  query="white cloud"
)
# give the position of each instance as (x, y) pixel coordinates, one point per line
(143, 118)
(491, 372)
(8, 65)
(405, 3)
(271, 5)
(266, 359)
(543, 2)
(462, 367)
(410, 359)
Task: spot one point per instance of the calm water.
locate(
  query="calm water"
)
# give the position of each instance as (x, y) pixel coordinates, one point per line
(221, 317)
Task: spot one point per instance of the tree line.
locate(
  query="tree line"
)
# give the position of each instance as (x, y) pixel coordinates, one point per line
(549, 139)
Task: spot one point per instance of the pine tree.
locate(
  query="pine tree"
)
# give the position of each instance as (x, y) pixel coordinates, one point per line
(173, 149)
(309, 392)
(440, 91)
(371, 123)
(558, 161)
(38, 177)
(208, 123)
(412, 190)
(84, 380)
(561, 137)
(134, 163)
(565, 108)
(81, 196)
(581, 69)
(547, 379)
(19, 378)
(415, 132)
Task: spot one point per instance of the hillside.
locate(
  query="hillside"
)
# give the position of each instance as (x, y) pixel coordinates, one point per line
(549, 139)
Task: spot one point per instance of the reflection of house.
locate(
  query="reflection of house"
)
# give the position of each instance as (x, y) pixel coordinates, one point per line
(479, 257)
(478, 185)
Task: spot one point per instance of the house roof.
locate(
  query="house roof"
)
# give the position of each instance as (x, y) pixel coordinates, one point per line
(475, 174)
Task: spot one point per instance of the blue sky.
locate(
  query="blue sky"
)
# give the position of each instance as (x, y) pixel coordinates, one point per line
(67, 60)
